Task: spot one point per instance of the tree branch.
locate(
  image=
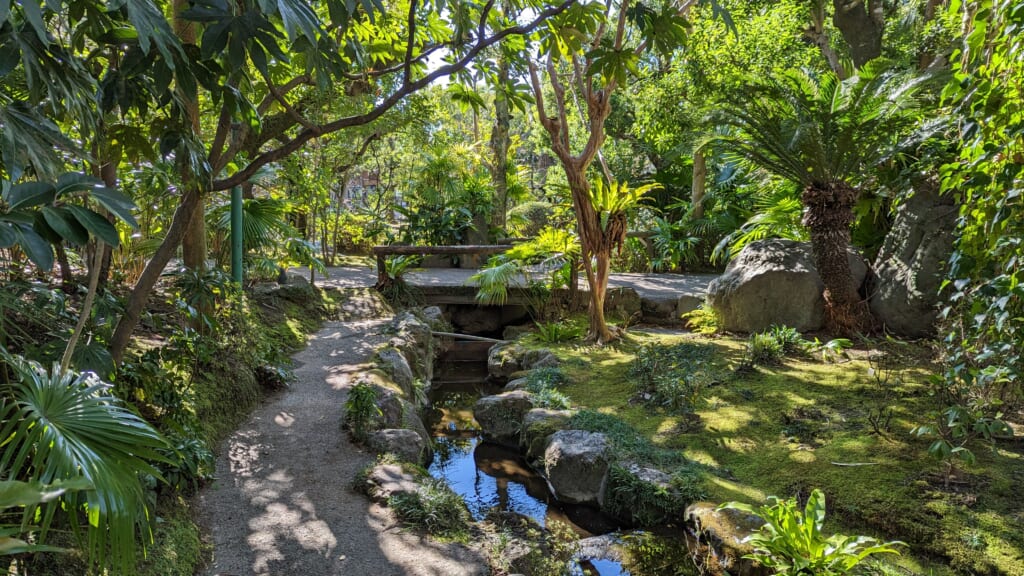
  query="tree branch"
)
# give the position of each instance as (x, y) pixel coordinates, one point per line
(282, 90)
(389, 103)
(284, 103)
(407, 73)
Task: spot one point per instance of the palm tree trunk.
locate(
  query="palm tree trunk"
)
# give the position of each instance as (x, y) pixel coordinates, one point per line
(828, 215)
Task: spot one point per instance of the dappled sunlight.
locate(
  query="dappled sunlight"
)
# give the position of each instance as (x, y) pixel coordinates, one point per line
(803, 456)
(281, 521)
(701, 457)
(244, 454)
(284, 419)
(727, 419)
(729, 490)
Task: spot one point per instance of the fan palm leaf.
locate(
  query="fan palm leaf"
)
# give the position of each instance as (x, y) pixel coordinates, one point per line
(61, 426)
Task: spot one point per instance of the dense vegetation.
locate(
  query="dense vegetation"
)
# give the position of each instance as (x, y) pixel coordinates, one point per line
(704, 126)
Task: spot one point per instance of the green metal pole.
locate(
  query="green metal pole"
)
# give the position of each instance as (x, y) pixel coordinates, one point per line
(236, 234)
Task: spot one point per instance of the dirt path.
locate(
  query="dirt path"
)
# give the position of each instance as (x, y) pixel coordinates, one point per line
(282, 504)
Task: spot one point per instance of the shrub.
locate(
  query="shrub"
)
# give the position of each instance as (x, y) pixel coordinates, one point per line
(703, 320)
(792, 544)
(764, 349)
(555, 332)
(674, 376)
(645, 504)
(542, 384)
(360, 410)
(434, 508)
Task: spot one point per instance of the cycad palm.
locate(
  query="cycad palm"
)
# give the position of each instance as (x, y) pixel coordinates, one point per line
(823, 134)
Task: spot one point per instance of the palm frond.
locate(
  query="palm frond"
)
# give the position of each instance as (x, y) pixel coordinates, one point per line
(60, 426)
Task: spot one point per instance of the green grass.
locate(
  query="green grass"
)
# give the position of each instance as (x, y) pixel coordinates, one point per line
(781, 430)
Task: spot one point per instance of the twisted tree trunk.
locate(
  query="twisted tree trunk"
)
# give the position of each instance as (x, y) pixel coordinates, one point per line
(828, 215)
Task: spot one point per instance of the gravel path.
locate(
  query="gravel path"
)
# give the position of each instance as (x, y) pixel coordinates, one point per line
(282, 504)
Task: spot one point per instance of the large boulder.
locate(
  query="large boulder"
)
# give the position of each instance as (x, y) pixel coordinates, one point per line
(909, 269)
(722, 536)
(773, 282)
(576, 466)
(406, 445)
(397, 366)
(501, 416)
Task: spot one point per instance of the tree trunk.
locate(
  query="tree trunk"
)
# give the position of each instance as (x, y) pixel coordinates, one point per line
(592, 246)
(499, 150)
(67, 279)
(151, 273)
(828, 215)
(816, 34)
(862, 23)
(193, 245)
(108, 172)
(700, 178)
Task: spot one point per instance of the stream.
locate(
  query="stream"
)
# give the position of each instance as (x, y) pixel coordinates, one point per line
(488, 475)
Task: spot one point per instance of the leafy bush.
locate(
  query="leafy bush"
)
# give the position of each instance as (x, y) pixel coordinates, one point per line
(644, 503)
(542, 382)
(555, 332)
(674, 376)
(764, 349)
(791, 541)
(703, 320)
(361, 409)
(63, 426)
(434, 508)
(788, 338)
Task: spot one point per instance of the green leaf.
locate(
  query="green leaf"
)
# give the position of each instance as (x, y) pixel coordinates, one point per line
(65, 225)
(29, 194)
(16, 493)
(73, 182)
(96, 224)
(118, 204)
(38, 250)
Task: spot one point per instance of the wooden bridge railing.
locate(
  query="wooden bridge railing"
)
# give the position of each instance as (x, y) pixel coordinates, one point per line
(382, 252)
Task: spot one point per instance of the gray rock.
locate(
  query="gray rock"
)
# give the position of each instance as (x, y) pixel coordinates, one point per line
(507, 358)
(434, 317)
(407, 445)
(503, 360)
(660, 310)
(501, 416)
(687, 303)
(622, 302)
(533, 359)
(294, 279)
(605, 547)
(576, 466)
(397, 366)
(513, 332)
(516, 384)
(725, 532)
(538, 425)
(909, 269)
(773, 282)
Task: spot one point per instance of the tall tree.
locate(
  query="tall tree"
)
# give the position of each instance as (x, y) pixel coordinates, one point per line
(824, 134)
(259, 65)
(588, 54)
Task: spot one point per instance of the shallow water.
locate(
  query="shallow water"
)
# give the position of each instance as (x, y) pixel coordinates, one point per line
(488, 475)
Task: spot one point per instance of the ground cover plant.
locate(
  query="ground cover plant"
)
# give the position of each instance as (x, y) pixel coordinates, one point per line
(806, 424)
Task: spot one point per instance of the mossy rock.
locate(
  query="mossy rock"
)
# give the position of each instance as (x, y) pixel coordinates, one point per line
(538, 425)
(641, 496)
(725, 532)
(501, 416)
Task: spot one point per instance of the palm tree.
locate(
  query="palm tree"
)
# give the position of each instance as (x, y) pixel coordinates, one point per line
(825, 135)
